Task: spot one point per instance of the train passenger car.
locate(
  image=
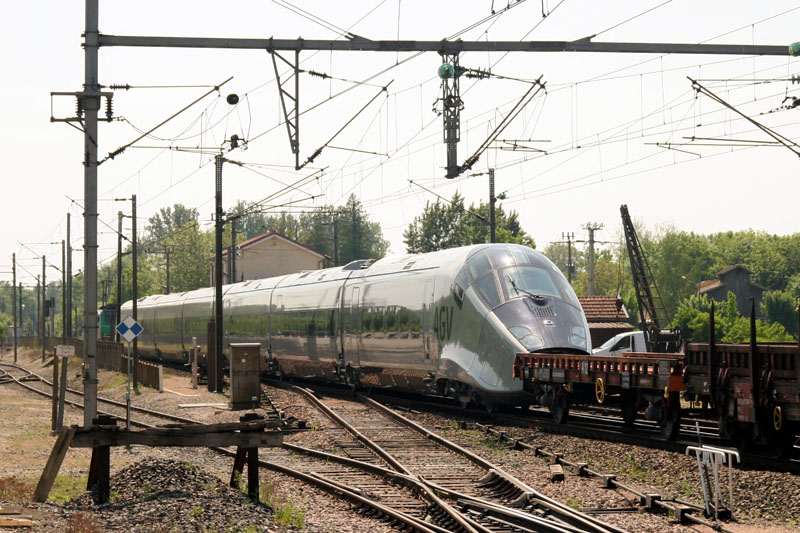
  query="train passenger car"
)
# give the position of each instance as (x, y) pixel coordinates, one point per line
(449, 322)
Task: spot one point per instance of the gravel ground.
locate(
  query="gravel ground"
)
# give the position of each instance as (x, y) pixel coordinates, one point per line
(766, 501)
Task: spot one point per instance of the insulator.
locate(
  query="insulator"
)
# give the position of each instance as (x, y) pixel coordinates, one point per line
(109, 108)
(79, 107)
(117, 87)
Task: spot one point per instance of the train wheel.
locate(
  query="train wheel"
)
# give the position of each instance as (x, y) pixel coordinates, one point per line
(629, 408)
(670, 416)
(780, 438)
(600, 391)
(560, 407)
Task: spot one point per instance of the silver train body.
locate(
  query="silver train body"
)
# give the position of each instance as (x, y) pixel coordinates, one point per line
(448, 322)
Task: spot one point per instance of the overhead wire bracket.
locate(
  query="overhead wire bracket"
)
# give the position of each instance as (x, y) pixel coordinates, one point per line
(291, 114)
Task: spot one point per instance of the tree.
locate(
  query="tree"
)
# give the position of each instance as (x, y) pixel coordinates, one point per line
(448, 225)
(781, 308)
(693, 316)
(254, 222)
(358, 237)
(170, 219)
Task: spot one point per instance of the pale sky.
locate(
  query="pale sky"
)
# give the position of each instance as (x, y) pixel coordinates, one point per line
(598, 123)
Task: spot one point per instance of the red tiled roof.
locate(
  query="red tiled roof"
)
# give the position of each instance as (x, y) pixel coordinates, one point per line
(610, 325)
(602, 308)
(710, 285)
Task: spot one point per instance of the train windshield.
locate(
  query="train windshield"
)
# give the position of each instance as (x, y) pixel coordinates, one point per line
(500, 274)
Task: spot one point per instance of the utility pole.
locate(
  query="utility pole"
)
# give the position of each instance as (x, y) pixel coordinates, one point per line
(21, 319)
(570, 237)
(37, 307)
(215, 380)
(119, 273)
(42, 333)
(335, 241)
(135, 293)
(233, 250)
(68, 309)
(591, 227)
(166, 252)
(63, 293)
(14, 300)
(90, 102)
(492, 201)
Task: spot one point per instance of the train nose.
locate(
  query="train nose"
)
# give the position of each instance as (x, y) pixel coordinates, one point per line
(544, 324)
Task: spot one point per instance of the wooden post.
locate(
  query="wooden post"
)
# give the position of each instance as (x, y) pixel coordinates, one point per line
(99, 482)
(194, 362)
(250, 455)
(62, 393)
(53, 465)
(54, 421)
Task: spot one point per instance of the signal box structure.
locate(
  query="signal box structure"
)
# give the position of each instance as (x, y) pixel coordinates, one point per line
(245, 374)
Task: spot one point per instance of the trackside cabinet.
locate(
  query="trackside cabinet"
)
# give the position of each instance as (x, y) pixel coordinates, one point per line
(245, 373)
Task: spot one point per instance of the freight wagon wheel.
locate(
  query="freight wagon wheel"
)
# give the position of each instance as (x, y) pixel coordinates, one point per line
(670, 416)
(629, 408)
(780, 437)
(725, 426)
(600, 391)
(560, 406)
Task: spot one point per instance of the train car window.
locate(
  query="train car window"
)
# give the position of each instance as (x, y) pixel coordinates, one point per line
(487, 289)
(460, 284)
(478, 266)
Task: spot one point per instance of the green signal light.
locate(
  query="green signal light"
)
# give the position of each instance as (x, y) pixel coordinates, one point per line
(446, 71)
(794, 49)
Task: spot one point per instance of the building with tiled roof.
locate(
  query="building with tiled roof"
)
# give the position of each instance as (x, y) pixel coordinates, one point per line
(267, 255)
(606, 315)
(735, 279)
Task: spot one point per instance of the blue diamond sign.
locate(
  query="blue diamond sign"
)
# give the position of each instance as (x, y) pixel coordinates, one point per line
(129, 329)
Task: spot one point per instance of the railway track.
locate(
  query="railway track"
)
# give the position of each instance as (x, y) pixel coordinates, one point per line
(400, 494)
(486, 498)
(606, 428)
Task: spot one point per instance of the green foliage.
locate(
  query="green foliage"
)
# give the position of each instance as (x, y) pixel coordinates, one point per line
(780, 307)
(692, 317)
(448, 225)
(287, 513)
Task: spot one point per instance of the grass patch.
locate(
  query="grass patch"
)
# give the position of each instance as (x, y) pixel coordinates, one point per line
(13, 490)
(287, 513)
(574, 502)
(66, 488)
(686, 489)
(117, 381)
(631, 468)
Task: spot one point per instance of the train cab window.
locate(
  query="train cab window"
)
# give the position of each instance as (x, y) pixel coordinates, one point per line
(500, 257)
(478, 266)
(487, 289)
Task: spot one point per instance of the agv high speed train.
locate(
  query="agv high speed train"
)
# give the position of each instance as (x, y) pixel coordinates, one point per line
(447, 322)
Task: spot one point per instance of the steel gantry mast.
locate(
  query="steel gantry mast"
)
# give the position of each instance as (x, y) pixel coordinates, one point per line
(89, 101)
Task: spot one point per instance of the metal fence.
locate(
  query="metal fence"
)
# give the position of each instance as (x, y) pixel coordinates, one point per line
(110, 356)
